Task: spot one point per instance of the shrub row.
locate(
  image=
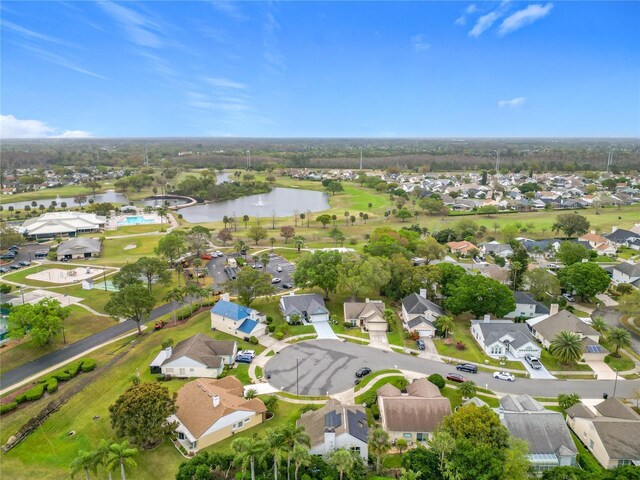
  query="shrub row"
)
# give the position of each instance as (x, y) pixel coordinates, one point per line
(50, 383)
(588, 463)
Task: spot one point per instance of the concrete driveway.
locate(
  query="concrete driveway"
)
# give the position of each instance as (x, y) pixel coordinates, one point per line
(603, 371)
(324, 331)
(330, 366)
(379, 340)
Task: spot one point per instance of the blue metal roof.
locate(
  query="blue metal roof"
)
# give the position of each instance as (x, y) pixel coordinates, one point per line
(231, 310)
(247, 326)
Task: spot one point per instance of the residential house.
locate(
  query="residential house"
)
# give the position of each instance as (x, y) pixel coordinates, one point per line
(627, 272)
(527, 306)
(462, 248)
(621, 237)
(545, 431)
(610, 430)
(197, 356)
(502, 338)
(238, 320)
(412, 416)
(79, 247)
(210, 410)
(496, 249)
(368, 315)
(419, 313)
(599, 243)
(336, 426)
(56, 224)
(309, 307)
(546, 327)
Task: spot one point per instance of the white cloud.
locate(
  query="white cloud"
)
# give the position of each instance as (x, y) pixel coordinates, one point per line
(419, 43)
(12, 127)
(470, 10)
(524, 17)
(31, 34)
(513, 103)
(229, 8)
(225, 83)
(483, 23)
(140, 30)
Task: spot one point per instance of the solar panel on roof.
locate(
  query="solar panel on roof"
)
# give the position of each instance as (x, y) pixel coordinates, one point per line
(594, 349)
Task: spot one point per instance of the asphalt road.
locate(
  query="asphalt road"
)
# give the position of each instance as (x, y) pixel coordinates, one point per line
(32, 368)
(330, 366)
(612, 317)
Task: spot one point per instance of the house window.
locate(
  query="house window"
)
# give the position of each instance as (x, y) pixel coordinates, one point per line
(623, 462)
(180, 436)
(236, 426)
(591, 443)
(247, 420)
(422, 437)
(407, 435)
(355, 449)
(496, 350)
(169, 370)
(192, 370)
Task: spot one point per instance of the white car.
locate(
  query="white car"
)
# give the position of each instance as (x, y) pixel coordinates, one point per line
(247, 353)
(509, 377)
(218, 253)
(278, 268)
(276, 280)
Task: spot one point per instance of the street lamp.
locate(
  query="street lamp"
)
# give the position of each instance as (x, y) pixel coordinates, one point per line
(615, 384)
(297, 378)
(104, 278)
(22, 293)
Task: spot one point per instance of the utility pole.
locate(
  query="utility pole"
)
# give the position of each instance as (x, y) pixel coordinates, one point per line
(610, 160)
(360, 158)
(498, 161)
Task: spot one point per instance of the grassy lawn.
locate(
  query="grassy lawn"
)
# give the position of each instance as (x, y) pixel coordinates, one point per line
(395, 381)
(114, 254)
(621, 364)
(367, 378)
(47, 453)
(52, 193)
(78, 325)
(396, 337)
(455, 397)
(472, 352)
(553, 365)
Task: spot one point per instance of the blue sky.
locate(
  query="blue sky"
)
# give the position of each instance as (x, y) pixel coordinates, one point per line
(313, 69)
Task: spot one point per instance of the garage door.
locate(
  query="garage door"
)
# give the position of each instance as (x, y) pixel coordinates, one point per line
(377, 327)
(424, 333)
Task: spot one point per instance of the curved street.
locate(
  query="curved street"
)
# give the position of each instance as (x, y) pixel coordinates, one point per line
(329, 366)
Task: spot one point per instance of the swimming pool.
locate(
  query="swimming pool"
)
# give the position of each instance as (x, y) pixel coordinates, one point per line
(135, 220)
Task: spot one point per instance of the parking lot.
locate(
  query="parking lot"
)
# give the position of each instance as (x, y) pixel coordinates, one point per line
(25, 254)
(278, 267)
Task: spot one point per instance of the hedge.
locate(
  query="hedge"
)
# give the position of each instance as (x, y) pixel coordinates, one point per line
(21, 398)
(437, 380)
(370, 398)
(7, 407)
(375, 411)
(35, 393)
(52, 385)
(62, 376)
(588, 463)
(279, 335)
(74, 368)
(88, 365)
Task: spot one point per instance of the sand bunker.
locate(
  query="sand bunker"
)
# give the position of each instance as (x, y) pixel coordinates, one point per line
(60, 276)
(129, 247)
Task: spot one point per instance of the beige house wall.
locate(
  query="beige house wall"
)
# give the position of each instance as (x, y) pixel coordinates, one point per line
(586, 432)
(226, 432)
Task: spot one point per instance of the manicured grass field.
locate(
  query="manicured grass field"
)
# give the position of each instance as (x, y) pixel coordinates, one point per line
(65, 191)
(21, 275)
(553, 365)
(394, 380)
(47, 453)
(114, 254)
(78, 325)
(621, 364)
(367, 378)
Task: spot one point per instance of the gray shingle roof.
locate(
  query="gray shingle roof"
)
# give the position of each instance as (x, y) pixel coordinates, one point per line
(621, 235)
(631, 269)
(414, 322)
(203, 349)
(340, 418)
(524, 298)
(79, 245)
(415, 304)
(562, 321)
(495, 330)
(310, 303)
(545, 431)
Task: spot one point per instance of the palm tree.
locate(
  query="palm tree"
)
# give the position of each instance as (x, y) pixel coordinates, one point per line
(121, 454)
(600, 325)
(101, 454)
(342, 460)
(467, 389)
(84, 461)
(245, 219)
(566, 347)
(191, 291)
(174, 295)
(248, 451)
(445, 324)
(272, 241)
(301, 458)
(618, 338)
(275, 442)
(250, 393)
(568, 400)
(264, 259)
(379, 445)
(272, 403)
(293, 436)
(298, 241)
(240, 246)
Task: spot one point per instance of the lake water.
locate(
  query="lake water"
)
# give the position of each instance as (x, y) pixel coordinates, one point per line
(283, 201)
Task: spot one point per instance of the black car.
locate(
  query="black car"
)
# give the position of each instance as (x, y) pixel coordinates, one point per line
(456, 377)
(24, 263)
(14, 248)
(15, 266)
(287, 286)
(10, 255)
(467, 367)
(4, 269)
(363, 372)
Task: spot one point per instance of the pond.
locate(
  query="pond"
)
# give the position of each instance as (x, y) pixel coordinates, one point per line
(280, 201)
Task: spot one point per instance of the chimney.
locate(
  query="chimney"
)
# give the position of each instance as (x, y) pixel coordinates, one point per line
(553, 309)
(593, 232)
(367, 300)
(423, 292)
(501, 413)
(253, 315)
(216, 400)
(225, 297)
(169, 351)
(487, 318)
(613, 229)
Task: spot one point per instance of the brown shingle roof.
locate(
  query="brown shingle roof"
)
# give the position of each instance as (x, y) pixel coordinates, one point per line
(195, 403)
(203, 349)
(613, 407)
(412, 414)
(355, 310)
(563, 321)
(388, 390)
(423, 388)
